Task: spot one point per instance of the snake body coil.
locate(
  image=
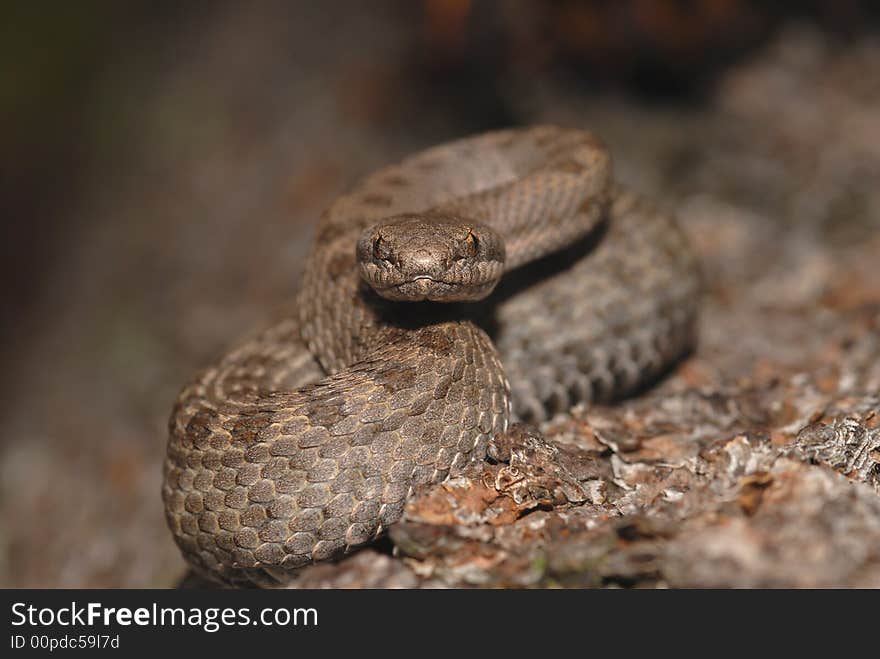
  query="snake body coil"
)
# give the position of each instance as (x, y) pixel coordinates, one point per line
(305, 441)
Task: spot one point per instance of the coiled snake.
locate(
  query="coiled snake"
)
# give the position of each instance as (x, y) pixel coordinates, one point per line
(305, 441)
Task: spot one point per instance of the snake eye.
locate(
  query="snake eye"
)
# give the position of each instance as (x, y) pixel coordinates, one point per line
(473, 245)
(377, 248)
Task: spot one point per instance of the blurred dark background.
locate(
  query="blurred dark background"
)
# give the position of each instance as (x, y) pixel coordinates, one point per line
(162, 164)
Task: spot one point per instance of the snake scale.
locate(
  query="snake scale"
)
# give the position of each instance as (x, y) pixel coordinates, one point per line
(305, 441)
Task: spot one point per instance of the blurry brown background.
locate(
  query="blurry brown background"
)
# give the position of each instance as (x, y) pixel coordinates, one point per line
(162, 164)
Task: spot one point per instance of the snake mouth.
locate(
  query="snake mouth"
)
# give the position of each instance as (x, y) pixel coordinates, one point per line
(419, 289)
(426, 288)
(454, 284)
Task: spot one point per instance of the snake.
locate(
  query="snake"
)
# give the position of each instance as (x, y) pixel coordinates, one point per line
(497, 278)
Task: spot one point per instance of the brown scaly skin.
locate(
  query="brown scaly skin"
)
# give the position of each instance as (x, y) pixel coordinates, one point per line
(305, 441)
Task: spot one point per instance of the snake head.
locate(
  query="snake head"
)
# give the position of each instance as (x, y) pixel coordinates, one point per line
(441, 258)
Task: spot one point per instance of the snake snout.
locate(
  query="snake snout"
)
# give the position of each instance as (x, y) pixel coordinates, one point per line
(422, 263)
(428, 265)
